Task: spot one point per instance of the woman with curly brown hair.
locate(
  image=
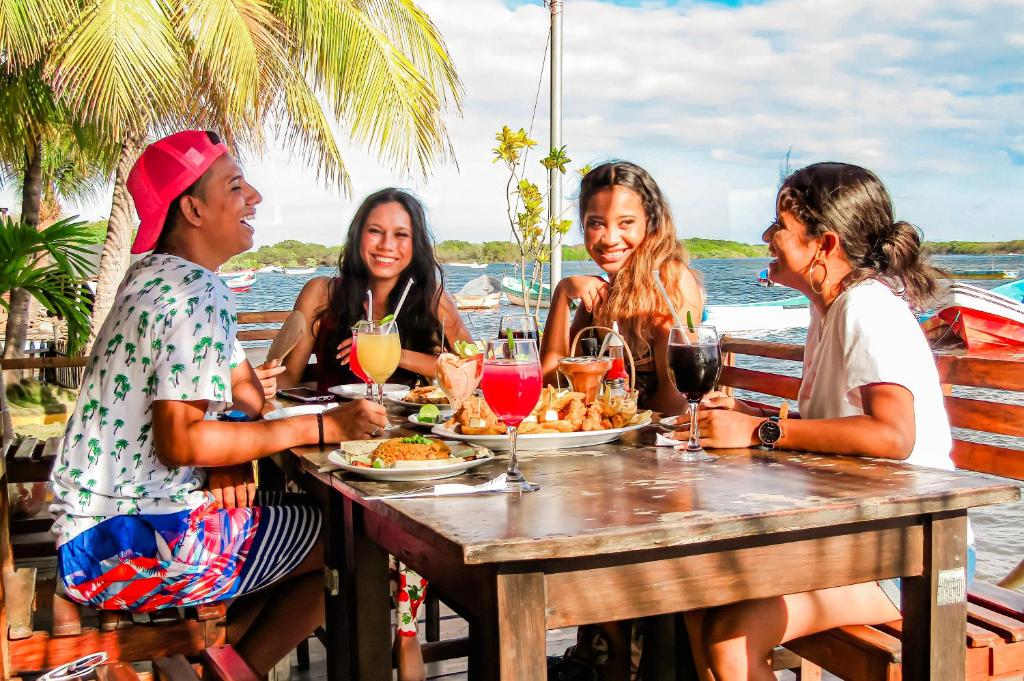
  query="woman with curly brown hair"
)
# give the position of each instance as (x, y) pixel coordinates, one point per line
(629, 232)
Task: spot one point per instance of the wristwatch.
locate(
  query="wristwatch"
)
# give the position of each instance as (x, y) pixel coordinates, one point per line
(769, 432)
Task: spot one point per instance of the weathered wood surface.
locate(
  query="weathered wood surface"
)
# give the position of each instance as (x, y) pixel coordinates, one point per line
(630, 496)
(793, 352)
(269, 317)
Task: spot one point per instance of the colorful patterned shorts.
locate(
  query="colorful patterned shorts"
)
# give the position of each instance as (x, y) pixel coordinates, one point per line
(409, 591)
(147, 562)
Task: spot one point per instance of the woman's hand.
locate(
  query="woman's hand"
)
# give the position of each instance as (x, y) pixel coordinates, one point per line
(344, 349)
(589, 289)
(232, 486)
(267, 373)
(724, 428)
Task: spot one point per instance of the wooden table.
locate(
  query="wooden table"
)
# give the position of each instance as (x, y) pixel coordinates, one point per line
(619, 531)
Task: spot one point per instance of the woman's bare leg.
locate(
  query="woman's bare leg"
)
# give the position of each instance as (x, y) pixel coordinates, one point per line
(409, 659)
(739, 638)
(694, 625)
(288, 618)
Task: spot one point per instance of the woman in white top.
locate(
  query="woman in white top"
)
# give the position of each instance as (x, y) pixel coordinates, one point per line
(870, 388)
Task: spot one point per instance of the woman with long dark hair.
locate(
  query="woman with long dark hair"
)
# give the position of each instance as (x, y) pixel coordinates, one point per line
(628, 232)
(388, 243)
(869, 388)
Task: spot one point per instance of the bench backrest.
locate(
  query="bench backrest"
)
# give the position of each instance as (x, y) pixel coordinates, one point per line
(962, 377)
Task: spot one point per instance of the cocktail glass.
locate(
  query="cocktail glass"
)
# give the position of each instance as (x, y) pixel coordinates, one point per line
(353, 360)
(522, 326)
(378, 351)
(511, 383)
(694, 363)
(459, 376)
(585, 374)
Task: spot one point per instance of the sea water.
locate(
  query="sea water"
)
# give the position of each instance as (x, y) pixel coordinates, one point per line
(998, 529)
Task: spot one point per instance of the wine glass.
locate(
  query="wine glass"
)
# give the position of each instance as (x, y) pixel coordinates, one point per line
(511, 383)
(694, 363)
(353, 360)
(523, 326)
(378, 351)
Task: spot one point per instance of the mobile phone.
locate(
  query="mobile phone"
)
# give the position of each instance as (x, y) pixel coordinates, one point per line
(303, 394)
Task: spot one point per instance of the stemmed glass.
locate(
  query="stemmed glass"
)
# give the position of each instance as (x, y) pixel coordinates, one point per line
(378, 352)
(521, 325)
(511, 383)
(353, 360)
(694, 363)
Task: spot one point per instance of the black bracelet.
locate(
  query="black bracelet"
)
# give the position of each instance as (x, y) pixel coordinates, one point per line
(320, 427)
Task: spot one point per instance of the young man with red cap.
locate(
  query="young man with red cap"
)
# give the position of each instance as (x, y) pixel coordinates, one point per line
(152, 503)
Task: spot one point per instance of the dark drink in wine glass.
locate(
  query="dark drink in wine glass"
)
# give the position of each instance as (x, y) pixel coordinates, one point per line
(694, 363)
(522, 327)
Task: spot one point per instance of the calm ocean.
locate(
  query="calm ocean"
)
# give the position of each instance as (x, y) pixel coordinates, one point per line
(999, 531)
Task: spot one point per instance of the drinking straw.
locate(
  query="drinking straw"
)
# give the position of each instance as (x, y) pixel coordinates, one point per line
(401, 302)
(671, 307)
(369, 304)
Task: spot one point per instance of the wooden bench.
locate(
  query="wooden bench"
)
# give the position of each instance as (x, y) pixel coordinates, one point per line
(995, 628)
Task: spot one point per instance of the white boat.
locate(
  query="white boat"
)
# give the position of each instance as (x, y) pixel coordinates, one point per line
(299, 270)
(236, 273)
(270, 269)
(242, 281)
(513, 290)
(482, 293)
(771, 315)
(470, 265)
(979, 318)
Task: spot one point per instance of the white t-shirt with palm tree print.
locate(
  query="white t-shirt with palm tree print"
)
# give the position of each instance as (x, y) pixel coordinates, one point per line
(169, 336)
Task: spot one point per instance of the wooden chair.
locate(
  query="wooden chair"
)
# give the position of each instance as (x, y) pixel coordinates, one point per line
(995, 627)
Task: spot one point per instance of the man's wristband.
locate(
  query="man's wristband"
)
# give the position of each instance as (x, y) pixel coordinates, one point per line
(320, 428)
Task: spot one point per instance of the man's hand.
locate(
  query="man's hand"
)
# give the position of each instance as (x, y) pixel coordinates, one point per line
(357, 420)
(232, 486)
(268, 373)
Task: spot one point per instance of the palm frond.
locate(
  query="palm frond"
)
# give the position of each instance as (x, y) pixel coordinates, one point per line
(120, 65)
(29, 27)
(307, 132)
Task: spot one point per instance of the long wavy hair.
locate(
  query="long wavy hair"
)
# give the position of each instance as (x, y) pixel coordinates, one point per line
(418, 324)
(852, 202)
(634, 300)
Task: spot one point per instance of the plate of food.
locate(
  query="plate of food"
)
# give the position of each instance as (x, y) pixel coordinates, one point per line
(561, 419)
(357, 391)
(403, 459)
(300, 410)
(429, 416)
(416, 397)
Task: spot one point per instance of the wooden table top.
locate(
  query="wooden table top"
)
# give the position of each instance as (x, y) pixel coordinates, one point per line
(629, 496)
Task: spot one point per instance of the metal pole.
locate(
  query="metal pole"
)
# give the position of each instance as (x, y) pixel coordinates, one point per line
(554, 176)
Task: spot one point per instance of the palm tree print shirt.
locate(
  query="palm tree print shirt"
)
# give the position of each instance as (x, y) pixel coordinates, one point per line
(169, 336)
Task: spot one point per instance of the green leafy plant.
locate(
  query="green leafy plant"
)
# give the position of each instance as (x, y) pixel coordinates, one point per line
(524, 200)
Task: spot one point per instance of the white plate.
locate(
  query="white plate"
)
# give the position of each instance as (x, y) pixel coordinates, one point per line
(300, 410)
(357, 391)
(535, 441)
(414, 419)
(407, 474)
(397, 396)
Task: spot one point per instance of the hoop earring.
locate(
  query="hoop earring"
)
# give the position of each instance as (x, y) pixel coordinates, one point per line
(824, 281)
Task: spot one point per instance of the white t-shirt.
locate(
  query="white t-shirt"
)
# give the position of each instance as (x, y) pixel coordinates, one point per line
(169, 336)
(869, 335)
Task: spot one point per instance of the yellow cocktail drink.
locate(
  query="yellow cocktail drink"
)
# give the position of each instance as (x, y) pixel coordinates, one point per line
(378, 355)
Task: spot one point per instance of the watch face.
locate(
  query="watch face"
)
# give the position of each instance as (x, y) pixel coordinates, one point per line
(769, 432)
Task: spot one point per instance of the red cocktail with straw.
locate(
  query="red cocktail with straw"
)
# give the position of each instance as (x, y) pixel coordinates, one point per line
(511, 383)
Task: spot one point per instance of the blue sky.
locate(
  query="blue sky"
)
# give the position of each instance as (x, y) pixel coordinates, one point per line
(709, 95)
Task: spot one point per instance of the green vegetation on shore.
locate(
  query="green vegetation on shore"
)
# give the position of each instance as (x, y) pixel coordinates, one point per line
(974, 247)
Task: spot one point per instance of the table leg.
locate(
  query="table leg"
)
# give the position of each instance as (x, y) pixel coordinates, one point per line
(935, 604)
(339, 659)
(522, 640)
(366, 589)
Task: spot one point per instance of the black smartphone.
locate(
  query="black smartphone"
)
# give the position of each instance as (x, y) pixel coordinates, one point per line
(303, 394)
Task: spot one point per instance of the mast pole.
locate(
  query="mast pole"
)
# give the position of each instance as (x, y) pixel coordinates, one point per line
(554, 176)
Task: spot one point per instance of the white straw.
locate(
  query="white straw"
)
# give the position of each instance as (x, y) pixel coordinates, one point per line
(401, 301)
(369, 305)
(671, 307)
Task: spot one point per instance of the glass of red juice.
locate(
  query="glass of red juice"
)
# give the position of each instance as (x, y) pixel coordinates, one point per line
(511, 383)
(353, 362)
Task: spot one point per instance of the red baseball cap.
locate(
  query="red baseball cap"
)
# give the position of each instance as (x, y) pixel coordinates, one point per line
(165, 169)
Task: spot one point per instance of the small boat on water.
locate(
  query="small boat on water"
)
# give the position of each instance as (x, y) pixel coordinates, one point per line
(299, 270)
(236, 273)
(985, 274)
(270, 269)
(763, 280)
(241, 284)
(979, 318)
(470, 265)
(769, 315)
(513, 290)
(482, 293)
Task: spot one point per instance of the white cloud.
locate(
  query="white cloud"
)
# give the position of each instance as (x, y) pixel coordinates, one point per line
(710, 98)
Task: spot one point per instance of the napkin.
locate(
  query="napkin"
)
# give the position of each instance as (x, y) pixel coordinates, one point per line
(449, 490)
(665, 441)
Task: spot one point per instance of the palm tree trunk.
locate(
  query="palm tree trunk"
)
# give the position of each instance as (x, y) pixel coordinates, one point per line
(21, 302)
(116, 256)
